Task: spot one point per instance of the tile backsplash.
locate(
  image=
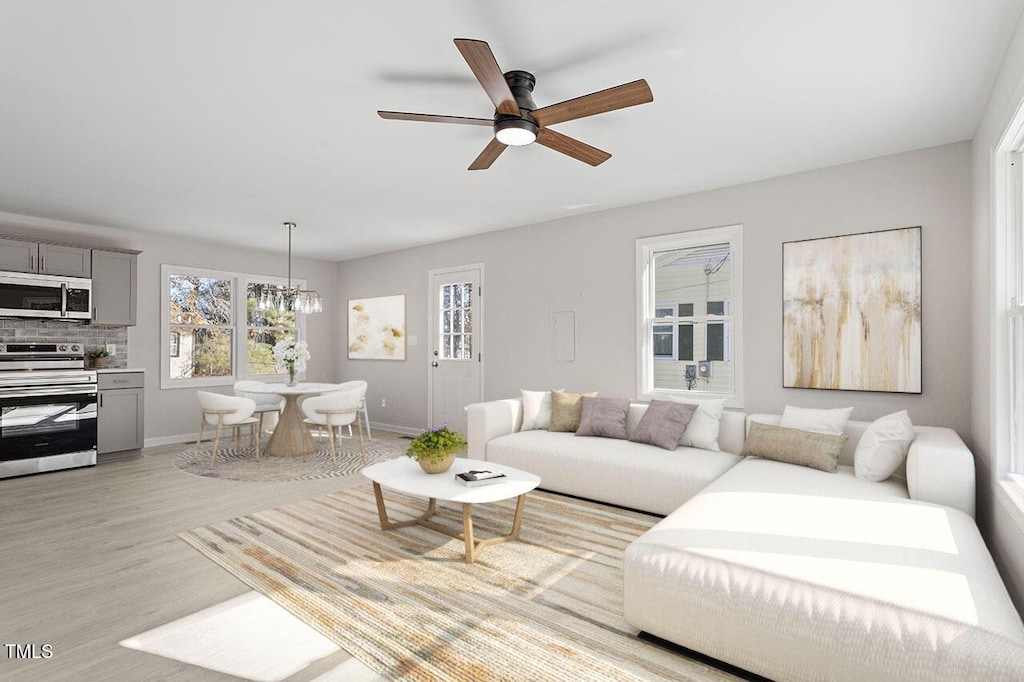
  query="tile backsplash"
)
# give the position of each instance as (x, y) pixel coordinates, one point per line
(52, 331)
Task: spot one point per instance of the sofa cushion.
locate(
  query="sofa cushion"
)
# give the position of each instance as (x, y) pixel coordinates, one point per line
(794, 573)
(663, 424)
(793, 446)
(619, 472)
(883, 447)
(603, 417)
(566, 409)
(536, 410)
(818, 420)
(702, 431)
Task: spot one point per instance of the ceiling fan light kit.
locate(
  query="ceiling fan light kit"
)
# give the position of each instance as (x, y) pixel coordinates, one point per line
(517, 120)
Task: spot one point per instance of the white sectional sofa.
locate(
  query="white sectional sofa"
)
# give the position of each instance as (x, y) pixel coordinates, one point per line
(787, 571)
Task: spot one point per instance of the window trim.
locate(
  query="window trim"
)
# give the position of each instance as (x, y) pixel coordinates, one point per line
(239, 324)
(645, 297)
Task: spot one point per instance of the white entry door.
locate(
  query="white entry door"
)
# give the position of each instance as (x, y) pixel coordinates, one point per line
(456, 337)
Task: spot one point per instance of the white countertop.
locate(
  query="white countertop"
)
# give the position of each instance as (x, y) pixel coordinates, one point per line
(118, 370)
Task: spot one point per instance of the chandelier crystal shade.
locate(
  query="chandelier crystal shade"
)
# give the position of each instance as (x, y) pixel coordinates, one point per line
(289, 298)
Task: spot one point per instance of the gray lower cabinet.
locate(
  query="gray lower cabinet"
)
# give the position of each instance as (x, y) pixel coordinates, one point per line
(121, 413)
(115, 278)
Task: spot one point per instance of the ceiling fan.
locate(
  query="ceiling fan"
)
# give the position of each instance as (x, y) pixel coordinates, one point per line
(517, 120)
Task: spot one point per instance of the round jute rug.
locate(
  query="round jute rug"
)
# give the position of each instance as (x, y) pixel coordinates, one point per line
(241, 464)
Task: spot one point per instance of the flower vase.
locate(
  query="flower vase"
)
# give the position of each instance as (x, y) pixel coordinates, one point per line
(291, 376)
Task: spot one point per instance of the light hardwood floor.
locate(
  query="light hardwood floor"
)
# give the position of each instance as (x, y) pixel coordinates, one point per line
(90, 557)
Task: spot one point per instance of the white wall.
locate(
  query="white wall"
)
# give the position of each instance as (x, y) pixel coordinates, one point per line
(1002, 525)
(594, 254)
(173, 412)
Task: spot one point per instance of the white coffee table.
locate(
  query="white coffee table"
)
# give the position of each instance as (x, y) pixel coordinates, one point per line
(404, 475)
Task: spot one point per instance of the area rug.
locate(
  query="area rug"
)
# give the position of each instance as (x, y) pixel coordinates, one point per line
(405, 603)
(240, 464)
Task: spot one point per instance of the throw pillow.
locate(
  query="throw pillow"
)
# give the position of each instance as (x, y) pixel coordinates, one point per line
(884, 445)
(566, 409)
(603, 417)
(663, 423)
(794, 446)
(819, 421)
(536, 410)
(702, 431)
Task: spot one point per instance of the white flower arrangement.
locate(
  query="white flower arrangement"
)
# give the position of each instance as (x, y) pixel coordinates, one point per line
(291, 355)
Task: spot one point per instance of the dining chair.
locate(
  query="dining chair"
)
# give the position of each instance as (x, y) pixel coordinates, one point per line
(348, 385)
(221, 410)
(335, 410)
(266, 403)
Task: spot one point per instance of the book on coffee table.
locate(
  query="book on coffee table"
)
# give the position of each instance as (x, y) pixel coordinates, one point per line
(479, 477)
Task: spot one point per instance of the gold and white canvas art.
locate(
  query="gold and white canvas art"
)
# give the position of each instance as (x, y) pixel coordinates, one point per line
(852, 312)
(376, 328)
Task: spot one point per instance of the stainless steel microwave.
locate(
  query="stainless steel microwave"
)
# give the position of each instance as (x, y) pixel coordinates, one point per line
(29, 295)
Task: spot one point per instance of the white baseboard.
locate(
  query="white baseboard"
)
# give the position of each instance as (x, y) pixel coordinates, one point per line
(170, 440)
(403, 430)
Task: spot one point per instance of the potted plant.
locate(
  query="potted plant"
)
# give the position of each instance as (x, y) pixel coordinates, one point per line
(435, 450)
(98, 356)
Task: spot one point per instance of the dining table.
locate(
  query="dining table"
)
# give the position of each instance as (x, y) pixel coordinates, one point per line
(290, 437)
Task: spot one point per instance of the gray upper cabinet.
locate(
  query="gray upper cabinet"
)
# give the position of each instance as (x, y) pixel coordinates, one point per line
(68, 261)
(115, 278)
(18, 255)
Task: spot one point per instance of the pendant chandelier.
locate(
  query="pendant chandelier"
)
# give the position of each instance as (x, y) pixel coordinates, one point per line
(289, 298)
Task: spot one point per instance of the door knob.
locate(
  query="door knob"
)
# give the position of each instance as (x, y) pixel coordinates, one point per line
(434, 363)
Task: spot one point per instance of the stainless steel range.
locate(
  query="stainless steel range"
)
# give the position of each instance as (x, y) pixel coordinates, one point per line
(47, 408)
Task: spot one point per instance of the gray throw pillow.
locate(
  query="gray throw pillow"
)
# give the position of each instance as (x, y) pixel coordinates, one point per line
(793, 446)
(603, 417)
(663, 423)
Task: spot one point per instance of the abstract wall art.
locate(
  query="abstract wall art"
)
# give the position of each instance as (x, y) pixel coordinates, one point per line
(376, 328)
(852, 312)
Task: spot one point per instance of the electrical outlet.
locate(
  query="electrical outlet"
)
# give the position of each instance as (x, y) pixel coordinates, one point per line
(112, 348)
(383, 402)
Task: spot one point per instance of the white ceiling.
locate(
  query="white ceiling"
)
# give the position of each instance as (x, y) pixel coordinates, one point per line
(221, 119)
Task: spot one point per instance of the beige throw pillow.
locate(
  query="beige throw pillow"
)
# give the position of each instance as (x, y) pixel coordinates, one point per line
(793, 446)
(566, 409)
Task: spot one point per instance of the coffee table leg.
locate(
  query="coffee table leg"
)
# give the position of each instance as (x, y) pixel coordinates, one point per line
(382, 512)
(467, 532)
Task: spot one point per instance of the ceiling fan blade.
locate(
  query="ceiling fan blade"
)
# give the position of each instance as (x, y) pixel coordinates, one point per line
(491, 152)
(434, 118)
(484, 66)
(572, 147)
(619, 97)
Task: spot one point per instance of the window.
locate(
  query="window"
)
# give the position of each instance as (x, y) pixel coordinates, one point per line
(1014, 465)
(456, 321)
(688, 314)
(214, 330)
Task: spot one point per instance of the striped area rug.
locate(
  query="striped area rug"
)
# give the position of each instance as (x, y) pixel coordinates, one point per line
(404, 602)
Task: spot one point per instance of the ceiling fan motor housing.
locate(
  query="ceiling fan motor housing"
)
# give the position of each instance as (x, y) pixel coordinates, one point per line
(521, 84)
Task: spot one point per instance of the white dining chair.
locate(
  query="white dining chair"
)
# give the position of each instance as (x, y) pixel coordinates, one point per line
(349, 385)
(335, 410)
(266, 403)
(221, 410)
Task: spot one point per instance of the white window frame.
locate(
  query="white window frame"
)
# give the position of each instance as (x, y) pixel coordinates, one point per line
(1007, 286)
(239, 325)
(645, 299)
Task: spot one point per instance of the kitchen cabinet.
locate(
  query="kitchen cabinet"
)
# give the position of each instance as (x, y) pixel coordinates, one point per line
(115, 276)
(120, 415)
(19, 255)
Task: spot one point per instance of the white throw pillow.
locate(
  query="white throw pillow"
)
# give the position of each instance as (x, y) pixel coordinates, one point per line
(819, 421)
(884, 445)
(702, 431)
(536, 410)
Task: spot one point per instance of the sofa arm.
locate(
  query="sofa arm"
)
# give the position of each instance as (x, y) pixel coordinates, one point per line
(940, 469)
(490, 420)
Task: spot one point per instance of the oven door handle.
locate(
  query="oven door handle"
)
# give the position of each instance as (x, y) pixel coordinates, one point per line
(32, 392)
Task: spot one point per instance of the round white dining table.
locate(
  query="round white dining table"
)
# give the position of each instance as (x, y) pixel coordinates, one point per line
(291, 437)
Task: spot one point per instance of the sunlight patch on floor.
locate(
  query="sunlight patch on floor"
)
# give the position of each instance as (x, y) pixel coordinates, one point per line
(249, 637)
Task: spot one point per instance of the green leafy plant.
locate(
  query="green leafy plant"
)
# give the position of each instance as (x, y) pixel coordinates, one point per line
(97, 353)
(435, 445)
